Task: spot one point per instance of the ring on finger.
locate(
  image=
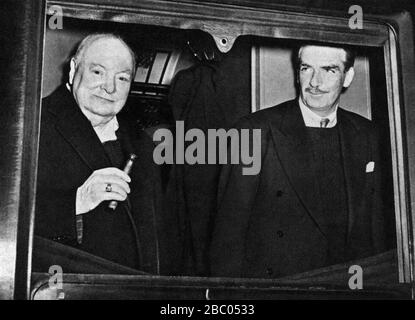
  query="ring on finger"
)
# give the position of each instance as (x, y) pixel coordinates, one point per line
(108, 187)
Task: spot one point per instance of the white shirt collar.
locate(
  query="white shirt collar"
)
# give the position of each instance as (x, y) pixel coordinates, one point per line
(312, 119)
(107, 132)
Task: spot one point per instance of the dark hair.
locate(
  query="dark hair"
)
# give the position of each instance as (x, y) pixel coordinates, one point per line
(350, 54)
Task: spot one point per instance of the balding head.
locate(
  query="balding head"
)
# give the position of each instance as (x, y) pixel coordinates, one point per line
(89, 40)
(100, 75)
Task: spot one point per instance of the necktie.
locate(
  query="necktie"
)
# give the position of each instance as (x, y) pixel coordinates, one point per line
(324, 122)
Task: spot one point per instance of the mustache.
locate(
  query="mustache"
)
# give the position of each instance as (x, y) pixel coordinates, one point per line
(314, 91)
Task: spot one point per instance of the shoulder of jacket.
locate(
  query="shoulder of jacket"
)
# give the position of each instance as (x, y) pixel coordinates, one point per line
(262, 118)
(359, 121)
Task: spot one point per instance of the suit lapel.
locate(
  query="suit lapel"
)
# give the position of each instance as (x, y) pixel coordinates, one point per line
(354, 152)
(77, 130)
(295, 153)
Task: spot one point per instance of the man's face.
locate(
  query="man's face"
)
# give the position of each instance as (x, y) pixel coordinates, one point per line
(101, 80)
(322, 76)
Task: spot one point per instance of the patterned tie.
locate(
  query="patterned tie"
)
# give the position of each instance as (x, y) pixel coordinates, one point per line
(324, 122)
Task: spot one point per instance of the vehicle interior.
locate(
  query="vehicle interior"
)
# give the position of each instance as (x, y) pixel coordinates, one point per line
(250, 49)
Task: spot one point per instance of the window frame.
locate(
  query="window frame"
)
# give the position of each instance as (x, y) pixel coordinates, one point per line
(222, 21)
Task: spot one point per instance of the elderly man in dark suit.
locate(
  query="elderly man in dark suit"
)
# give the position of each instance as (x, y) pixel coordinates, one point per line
(316, 200)
(83, 149)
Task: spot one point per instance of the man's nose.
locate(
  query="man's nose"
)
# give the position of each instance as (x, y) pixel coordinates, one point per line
(316, 79)
(109, 85)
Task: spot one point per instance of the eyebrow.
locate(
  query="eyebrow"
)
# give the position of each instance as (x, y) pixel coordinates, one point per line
(332, 66)
(97, 65)
(129, 71)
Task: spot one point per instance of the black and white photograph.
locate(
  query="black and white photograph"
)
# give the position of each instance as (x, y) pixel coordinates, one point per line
(207, 151)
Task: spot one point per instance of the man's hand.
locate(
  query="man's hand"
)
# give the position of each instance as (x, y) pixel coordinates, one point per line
(94, 190)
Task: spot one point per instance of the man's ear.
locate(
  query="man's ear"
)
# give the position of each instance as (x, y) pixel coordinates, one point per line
(72, 70)
(349, 77)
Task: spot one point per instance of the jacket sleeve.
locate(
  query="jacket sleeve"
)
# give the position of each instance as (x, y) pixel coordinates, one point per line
(55, 214)
(55, 197)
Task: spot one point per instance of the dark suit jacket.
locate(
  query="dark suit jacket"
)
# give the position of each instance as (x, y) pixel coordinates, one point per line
(69, 152)
(267, 224)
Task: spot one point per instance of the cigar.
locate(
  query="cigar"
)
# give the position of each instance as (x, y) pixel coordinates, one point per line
(127, 169)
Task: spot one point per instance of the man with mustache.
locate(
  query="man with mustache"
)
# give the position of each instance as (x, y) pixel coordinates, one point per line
(316, 200)
(84, 145)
